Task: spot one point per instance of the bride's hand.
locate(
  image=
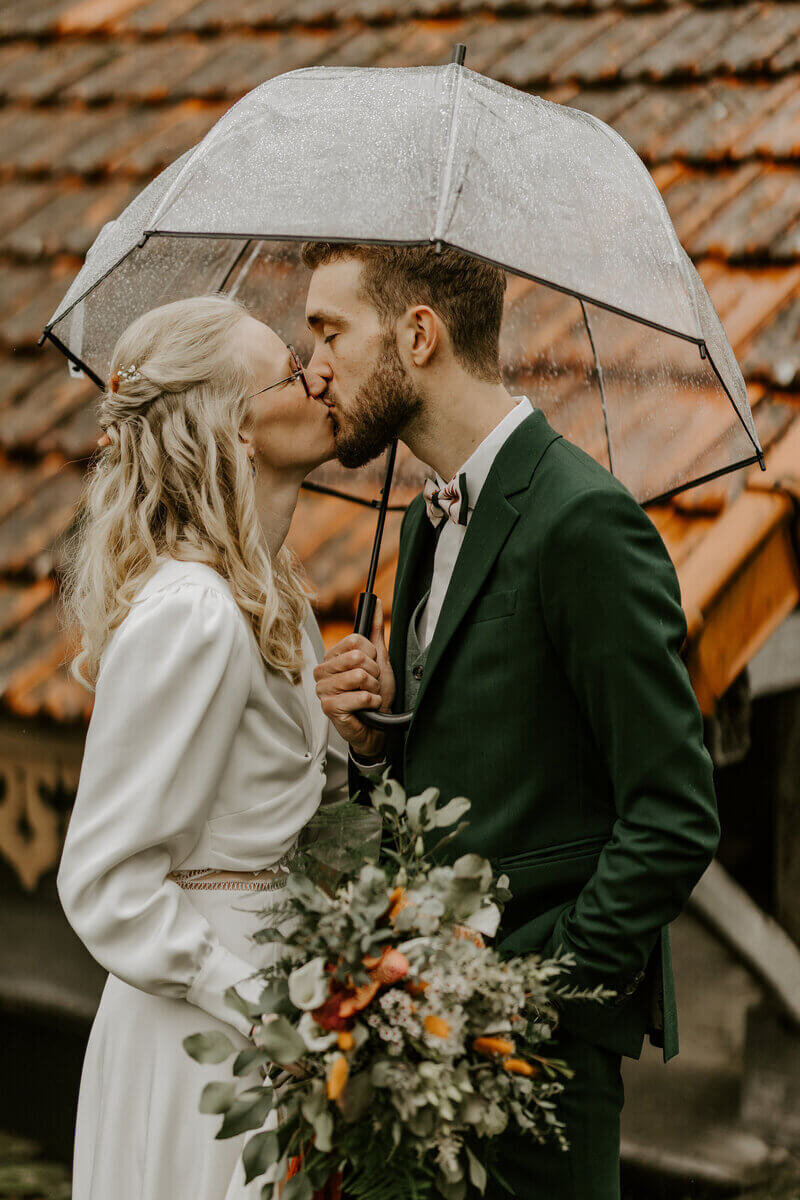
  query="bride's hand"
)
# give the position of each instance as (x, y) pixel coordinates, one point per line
(356, 674)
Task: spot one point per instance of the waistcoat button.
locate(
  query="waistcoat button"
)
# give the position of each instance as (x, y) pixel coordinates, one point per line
(417, 671)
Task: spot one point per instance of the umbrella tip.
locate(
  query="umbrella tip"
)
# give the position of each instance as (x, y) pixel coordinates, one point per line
(459, 53)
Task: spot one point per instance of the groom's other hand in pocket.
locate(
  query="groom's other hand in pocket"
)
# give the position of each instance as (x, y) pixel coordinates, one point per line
(355, 674)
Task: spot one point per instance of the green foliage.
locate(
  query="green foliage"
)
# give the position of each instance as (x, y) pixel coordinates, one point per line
(246, 1060)
(217, 1097)
(381, 1173)
(282, 1042)
(248, 1111)
(259, 1154)
(212, 1047)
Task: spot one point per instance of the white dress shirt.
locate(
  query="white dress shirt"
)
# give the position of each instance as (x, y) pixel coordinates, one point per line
(451, 538)
(197, 755)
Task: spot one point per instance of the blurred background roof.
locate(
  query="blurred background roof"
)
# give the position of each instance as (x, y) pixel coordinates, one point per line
(97, 96)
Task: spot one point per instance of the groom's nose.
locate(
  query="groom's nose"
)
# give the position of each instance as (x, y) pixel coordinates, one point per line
(318, 376)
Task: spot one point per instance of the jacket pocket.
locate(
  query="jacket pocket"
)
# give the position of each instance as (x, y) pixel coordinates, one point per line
(493, 605)
(556, 853)
(542, 879)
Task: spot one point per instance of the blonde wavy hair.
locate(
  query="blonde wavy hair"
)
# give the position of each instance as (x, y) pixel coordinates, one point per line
(175, 481)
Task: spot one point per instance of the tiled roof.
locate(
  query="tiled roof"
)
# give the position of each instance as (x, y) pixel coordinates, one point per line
(96, 96)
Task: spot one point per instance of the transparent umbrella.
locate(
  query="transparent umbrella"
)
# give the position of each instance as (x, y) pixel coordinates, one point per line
(607, 327)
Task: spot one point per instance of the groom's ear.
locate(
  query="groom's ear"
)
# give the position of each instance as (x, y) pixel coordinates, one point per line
(419, 333)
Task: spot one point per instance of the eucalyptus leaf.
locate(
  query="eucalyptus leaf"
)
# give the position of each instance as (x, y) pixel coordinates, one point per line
(453, 811)
(259, 1154)
(356, 1097)
(275, 998)
(281, 1041)
(477, 1171)
(245, 1007)
(212, 1047)
(323, 1132)
(287, 1131)
(451, 1189)
(217, 1097)
(246, 1059)
(247, 1112)
(298, 1188)
(449, 837)
(301, 888)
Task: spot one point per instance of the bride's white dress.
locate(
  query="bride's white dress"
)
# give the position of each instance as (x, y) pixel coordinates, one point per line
(196, 757)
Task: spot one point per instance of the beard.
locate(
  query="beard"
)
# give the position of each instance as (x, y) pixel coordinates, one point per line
(381, 408)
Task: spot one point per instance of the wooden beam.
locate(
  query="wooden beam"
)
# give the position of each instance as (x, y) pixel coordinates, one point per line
(756, 938)
(743, 579)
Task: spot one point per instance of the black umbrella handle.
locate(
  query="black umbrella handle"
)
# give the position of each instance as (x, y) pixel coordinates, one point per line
(375, 720)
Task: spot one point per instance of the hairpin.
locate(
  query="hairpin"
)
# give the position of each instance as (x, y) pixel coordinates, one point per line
(126, 374)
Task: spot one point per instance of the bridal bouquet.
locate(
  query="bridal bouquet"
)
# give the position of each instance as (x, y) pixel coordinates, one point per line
(411, 1043)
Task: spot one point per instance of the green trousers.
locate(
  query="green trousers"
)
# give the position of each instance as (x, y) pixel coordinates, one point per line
(590, 1107)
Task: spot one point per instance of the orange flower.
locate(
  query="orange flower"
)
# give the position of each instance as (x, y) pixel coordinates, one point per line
(518, 1066)
(337, 1077)
(436, 1026)
(360, 998)
(397, 901)
(345, 1040)
(493, 1045)
(471, 935)
(417, 987)
(392, 965)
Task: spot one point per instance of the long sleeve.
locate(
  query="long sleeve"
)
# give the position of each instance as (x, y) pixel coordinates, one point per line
(612, 608)
(336, 755)
(173, 684)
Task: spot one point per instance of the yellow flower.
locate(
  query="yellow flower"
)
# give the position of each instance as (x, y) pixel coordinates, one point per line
(337, 1077)
(493, 1045)
(436, 1026)
(518, 1066)
(345, 1040)
(398, 901)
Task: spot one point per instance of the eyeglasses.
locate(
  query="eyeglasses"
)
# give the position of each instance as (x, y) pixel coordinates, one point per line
(298, 372)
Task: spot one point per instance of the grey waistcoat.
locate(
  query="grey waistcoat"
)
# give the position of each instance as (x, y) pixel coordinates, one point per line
(416, 656)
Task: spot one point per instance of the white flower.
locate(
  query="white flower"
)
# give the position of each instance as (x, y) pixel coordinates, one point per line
(484, 920)
(312, 1034)
(308, 985)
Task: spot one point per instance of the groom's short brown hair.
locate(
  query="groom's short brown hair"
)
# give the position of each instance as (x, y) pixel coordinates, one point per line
(466, 292)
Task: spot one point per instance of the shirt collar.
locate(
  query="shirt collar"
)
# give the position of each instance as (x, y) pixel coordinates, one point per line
(479, 463)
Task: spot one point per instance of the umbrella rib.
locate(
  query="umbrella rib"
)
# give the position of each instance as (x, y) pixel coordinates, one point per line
(233, 267)
(450, 154)
(705, 353)
(684, 487)
(600, 383)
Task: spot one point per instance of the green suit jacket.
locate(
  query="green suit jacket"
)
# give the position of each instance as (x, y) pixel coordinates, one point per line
(554, 697)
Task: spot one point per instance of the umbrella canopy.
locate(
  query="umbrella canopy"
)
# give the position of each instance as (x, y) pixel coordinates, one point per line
(608, 327)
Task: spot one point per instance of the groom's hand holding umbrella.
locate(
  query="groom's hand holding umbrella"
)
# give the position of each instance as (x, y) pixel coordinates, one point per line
(356, 674)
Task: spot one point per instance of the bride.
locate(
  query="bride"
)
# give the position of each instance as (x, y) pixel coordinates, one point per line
(207, 750)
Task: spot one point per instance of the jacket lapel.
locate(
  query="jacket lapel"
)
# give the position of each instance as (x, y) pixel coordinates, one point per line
(490, 524)
(417, 532)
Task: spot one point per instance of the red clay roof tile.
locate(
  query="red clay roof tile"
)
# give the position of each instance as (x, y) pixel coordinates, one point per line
(29, 533)
(125, 106)
(551, 42)
(750, 221)
(617, 50)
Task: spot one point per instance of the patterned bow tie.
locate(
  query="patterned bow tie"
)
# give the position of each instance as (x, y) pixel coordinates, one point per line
(450, 501)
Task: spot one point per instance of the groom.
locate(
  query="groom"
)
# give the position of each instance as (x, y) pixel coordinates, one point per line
(536, 630)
